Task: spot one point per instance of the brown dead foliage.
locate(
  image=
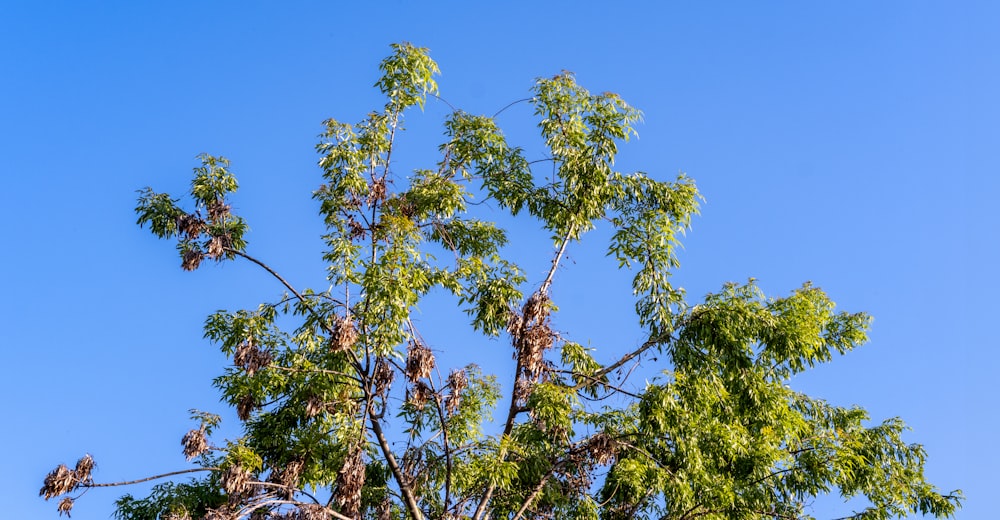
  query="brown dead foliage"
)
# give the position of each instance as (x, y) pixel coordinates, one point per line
(382, 376)
(84, 467)
(514, 322)
(602, 448)
(191, 259)
(350, 480)
(251, 358)
(457, 381)
(312, 512)
(195, 443)
(218, 210)
(377, 191)
(344, 334)
(534, 341)
(355, 230)
(190, 226)
(59, 481)
(536, 308)
(236, 481)
(222, 513)
(246, 405)
(63, 480)
(531, 336)
(419, 395)
(288, 477)
(314, 405)
(217, 247)
(384, 510)
(65, 506)
(522, 390)
(419, 362)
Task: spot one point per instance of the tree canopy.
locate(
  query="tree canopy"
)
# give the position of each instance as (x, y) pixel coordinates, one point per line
(347, 414)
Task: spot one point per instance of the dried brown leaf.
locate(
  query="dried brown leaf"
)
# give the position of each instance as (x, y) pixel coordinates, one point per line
(236, 482)
(350, 480)
(191, 259)
(251, 358)
(59, 481)
(457, 381)
(84, 467)
(314, 405)
(419, 362)
(420, 394)
(345, 334)
(246, 405)
(65, 506)
(382, 376)
(195, 443)
(218, 210)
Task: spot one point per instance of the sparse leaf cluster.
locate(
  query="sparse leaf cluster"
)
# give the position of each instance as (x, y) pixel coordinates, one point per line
(62, 481)
(347, 412)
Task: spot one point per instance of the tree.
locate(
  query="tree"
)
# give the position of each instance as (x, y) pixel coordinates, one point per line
(317, 375)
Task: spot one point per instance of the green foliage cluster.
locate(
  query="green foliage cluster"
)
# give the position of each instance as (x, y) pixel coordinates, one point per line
(346, 414)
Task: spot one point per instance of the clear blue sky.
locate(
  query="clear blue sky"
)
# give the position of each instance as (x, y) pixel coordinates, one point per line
(853, 144)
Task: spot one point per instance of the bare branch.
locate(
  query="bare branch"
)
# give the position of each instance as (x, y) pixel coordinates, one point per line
(544, 289)
(650, 343)
(147, 479)
(512, 103)
(534, 493)
(397, 472)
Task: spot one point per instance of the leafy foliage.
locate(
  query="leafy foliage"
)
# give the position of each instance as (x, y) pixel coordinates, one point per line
(193, 499)
(346, 413)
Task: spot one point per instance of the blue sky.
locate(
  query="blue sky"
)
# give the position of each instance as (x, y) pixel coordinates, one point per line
(852, 144)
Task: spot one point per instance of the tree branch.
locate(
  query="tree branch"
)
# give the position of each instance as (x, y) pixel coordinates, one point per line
(513, 409)
(273, 273)
(544, 289)
(446, 445)
(147, 479)
(512, 103)
(591, 381)
(316, 371)
(397, 472)
(320, 319)
(534, 494)
(652, 342)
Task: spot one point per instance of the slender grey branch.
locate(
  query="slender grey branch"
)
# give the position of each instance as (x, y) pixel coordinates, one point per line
(397, 472)
(513, 409)
(447, 445)
(512, 103)
(272, 272)
(652, 342)
(147, 479)
(591, 381)
(445, 101)
(534, 494)
(320, 319)
(544, 289)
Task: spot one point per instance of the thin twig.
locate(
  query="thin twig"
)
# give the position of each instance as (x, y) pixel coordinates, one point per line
(274, 274)
(544, 289)
(512, 103)
(315, 371)
(445, 101)
(597, 381)
(652, 342)
(534, 494)
(147, 479)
